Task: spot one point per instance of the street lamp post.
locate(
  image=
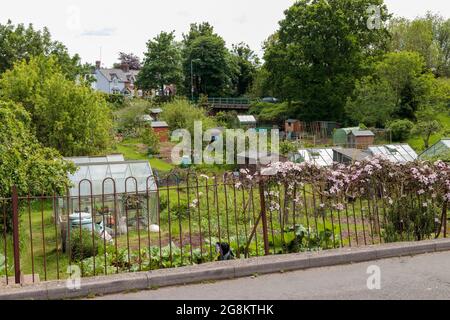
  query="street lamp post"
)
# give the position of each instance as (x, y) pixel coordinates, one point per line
(192, 77)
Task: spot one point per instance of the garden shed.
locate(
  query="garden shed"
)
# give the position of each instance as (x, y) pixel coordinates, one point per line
(400, 153)
(130, 201)
(340, 136)
(360, 139)
(161, 128)
(440, 148)
(293, 128)
(320, 157)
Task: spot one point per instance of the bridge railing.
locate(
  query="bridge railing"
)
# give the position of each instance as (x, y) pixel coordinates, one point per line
(232, 101)
(226, 101)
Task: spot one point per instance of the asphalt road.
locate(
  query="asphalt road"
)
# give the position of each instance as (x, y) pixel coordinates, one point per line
(420, 277)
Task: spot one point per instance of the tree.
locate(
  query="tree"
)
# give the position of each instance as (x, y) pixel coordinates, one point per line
(133, 61)
(319, 51)
(212, 66)
(373, 104)
(427, 125)
(197, 30)
(151, 139)
(207, 59)
(181, 114)
(162, 64)
(20, 42)
(428, 35)
(64, 115)
(247, 63)
(400, 129)
(24, 162)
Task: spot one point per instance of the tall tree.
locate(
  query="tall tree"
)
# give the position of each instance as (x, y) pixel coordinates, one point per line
(428, 35)
(162, 63)
(20, 42)
(399, 87)
(319, 51)
(133, 61)
(247, 63)
(208, 66)
(64, 115)
(197, 30)
(24, 162)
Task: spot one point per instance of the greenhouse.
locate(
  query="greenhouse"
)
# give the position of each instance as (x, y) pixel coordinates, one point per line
(401, 153)
(320, 157)
(439, 149)
(117, 195)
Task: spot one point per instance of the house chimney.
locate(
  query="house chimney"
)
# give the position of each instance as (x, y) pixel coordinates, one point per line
(125, 67)
(98, 64)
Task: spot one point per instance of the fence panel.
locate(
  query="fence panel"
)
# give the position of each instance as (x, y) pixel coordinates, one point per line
(190, 221)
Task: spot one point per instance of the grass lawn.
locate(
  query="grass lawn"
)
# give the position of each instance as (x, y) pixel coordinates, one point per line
(131, 150)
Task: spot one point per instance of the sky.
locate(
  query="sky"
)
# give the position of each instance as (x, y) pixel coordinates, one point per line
(100, 29)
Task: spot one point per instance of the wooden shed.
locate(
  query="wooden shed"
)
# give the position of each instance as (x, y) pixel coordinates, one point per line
(361, 139)
(161, 128)
(293, 128)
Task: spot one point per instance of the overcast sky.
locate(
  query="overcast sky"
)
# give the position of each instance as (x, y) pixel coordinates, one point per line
(95, 28)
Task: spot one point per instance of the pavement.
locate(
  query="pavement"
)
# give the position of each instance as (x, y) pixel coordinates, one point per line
(233, 269)
(420, 277)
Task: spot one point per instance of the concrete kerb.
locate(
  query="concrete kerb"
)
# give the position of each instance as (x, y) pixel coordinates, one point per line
(220, 271)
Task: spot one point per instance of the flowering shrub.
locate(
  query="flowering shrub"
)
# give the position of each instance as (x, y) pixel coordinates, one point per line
(414, 194)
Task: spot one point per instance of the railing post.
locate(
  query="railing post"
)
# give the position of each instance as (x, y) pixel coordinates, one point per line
(264, 217)
(15, 222)
(445, 218)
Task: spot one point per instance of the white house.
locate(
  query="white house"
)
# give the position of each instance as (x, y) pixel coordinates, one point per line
(115, 80)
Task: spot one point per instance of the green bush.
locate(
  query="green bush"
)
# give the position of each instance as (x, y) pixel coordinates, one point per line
(287, 147)
(83, 247)
(272, 112)
(181, 114)
(150, 139)
(116, 100)
(405, 221)
(400, 129)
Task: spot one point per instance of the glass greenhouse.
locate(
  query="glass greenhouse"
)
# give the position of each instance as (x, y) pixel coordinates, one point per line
(117, 194)
(439, 149)
(400, 153)
(320, 157)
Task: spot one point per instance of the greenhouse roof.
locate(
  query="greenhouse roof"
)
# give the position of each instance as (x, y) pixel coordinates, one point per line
(439, 148)
(400, 153)
(246, 119)
(159, 124)
(349, 130)
(352, 153)
(363, 133)
(320, 157)
(123, 173)
(108, 158)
